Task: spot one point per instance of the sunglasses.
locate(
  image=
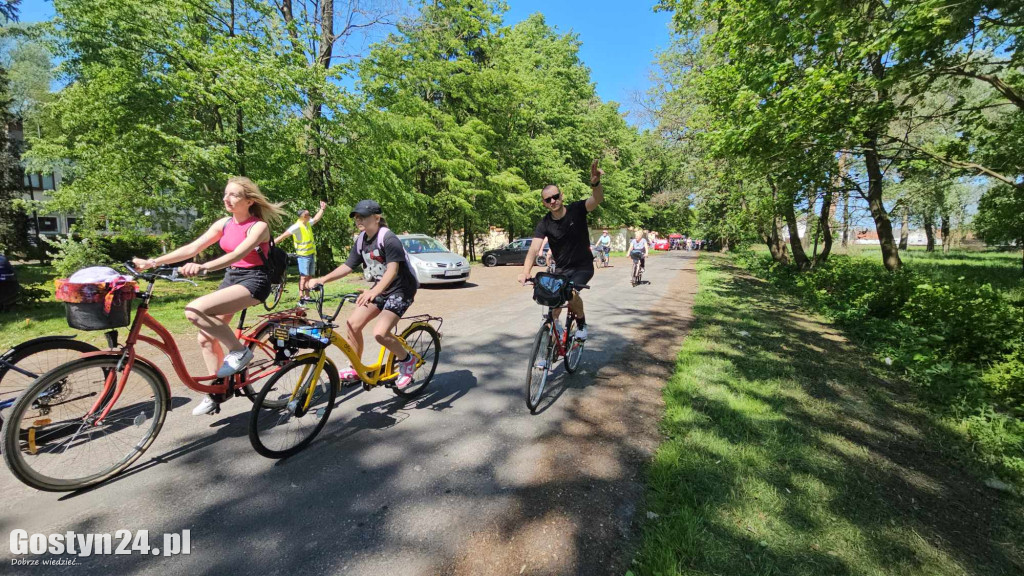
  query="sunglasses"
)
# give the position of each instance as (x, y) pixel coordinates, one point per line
(551, 199)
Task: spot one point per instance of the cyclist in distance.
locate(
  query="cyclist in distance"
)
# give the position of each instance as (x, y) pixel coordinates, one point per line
(604, 243)
(245, 238)
(382, 253)
(565, 227)
(639, 248)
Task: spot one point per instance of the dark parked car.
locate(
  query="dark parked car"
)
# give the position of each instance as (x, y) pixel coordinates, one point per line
(8, 284)
(513, 253)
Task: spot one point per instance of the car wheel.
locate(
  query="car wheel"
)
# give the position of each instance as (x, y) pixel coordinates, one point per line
(490, 260)
(542, 261)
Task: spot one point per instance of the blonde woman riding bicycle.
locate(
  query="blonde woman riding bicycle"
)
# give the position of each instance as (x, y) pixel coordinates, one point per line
(244, 235)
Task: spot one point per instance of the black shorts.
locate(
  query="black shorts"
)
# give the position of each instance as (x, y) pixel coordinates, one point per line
(255, 280)
(578, 276)
(396, 302)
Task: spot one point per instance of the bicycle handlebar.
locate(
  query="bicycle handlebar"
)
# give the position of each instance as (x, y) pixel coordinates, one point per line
(319, 301)
(159, 272)
(571, 283)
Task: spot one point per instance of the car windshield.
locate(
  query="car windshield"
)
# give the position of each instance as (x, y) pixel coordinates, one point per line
(423, 246)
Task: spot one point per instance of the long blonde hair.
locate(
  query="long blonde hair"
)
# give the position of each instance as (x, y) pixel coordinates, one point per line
(261, 208)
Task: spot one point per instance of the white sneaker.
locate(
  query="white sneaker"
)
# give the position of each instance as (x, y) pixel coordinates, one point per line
(234, 362)
(581, 333)
(207, 406)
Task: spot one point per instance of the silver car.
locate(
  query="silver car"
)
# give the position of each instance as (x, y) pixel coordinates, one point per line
(432, 262)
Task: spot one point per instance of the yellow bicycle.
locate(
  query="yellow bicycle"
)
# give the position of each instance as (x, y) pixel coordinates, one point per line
(294, 404)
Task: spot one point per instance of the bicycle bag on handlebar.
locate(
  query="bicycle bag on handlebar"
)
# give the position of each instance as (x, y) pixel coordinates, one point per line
(551, 290)
(301, 334)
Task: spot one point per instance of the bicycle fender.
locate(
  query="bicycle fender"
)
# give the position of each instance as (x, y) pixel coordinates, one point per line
(140, 362)
(21, 346)
(328, 363)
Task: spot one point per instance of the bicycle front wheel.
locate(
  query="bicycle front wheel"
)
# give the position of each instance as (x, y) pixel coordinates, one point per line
(541, 359)
(36, 358)
(292, 408)
(53, 443)
(575, 352)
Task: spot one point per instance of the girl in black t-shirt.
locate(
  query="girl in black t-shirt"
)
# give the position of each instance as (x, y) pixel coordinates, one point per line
(389, 298)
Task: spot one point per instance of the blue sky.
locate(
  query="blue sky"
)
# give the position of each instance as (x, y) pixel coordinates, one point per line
(620, 37)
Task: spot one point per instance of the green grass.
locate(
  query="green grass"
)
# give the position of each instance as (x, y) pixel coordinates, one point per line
(48, 318)
(1001, 269)
(785, 454)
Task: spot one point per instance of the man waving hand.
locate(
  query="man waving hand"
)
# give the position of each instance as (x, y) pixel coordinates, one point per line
(565, 227)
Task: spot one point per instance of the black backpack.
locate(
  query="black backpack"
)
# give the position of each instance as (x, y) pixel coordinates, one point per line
(276, 264)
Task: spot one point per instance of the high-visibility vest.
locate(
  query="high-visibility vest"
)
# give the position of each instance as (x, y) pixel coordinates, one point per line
(304, 245)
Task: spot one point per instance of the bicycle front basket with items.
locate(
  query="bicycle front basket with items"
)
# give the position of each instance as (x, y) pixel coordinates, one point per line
(97, 305)
(298, 334)
(550, 289)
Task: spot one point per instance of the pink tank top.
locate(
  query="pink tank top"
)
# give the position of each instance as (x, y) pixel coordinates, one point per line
(234, 234)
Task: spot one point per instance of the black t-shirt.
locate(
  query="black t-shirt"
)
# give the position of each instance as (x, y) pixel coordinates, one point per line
(569, 238)
(376, 263)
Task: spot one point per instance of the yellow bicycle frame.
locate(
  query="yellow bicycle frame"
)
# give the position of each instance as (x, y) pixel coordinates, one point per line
(382, 371)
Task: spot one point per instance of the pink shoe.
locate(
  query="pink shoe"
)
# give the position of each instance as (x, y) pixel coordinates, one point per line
(348, 374)
(405, 371)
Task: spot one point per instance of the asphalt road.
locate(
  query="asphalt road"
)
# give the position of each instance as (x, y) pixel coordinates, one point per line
(388, 487)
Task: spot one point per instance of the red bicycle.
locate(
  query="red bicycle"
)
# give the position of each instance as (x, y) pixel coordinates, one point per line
(87, 420)
(550, 344)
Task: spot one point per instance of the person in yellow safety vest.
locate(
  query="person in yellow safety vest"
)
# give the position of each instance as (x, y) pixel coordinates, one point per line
(305, 248)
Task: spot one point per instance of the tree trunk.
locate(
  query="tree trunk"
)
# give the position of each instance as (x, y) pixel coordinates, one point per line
(846, 218)
(239, 124)
(905, 228)
(772, 237)
(776, 245)
(826, 228)
(808, 222)
(799, 256)
(883, 227)
(944, 229)
(929, 233)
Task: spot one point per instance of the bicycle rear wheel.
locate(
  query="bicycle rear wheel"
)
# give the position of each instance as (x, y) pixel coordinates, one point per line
(50, 444)
(575, 352)
(541, 359)
(275, 296)
(292, 408)
(263, 358)
(424, 340)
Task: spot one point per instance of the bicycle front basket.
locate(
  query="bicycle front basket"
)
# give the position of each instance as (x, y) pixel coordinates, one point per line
(301, 335)
(96, 306)
(550, 289)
